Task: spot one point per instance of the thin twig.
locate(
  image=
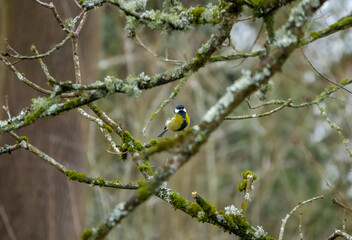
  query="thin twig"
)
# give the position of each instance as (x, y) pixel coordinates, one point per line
(140, 43)
(42, 64)
(284, 221)
(56, 47)
(335, 201)
(75, 56)
(81, 23)
(250, 49)
(300, 223)
(22, 77)
(6, 107)
(336, 128)
(77, 4)
(285, 104)
(322, 75)
(7, 224)
(52, 7)
(105, 118)
(103, 128)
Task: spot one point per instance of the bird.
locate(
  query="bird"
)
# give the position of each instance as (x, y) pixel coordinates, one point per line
(179, 122)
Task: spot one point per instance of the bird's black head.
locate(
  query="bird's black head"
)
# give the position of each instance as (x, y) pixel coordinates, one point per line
(180, 108)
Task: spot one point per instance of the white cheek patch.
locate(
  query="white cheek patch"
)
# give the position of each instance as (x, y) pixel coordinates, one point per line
(177, 110)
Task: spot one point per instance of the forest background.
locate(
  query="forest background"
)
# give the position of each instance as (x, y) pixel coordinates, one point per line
(298, 152)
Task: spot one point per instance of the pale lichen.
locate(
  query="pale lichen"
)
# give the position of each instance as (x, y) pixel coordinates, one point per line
(116, 214)
(259, 232)
(233, 210)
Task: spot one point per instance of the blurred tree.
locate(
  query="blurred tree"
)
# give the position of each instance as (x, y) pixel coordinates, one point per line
(36, 201)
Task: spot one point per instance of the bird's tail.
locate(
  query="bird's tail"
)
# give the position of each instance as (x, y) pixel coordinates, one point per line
(163, 132)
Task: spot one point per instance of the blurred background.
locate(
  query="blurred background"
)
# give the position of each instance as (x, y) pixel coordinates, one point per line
(294, 152)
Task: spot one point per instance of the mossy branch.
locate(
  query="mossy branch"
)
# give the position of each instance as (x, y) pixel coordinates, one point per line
(71, 174)
(326, 93)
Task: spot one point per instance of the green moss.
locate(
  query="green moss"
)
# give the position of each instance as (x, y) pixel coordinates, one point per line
(259, 3)
(142, 183)
(341, 24)
(88, 233)
(145, 167)
(153, 116)
(73, 175)
(345, 81)
(242, 186)
(128, 144)
(178, 202)
(153, 142)
(30, 118)
(269, 23)
(123, 156)
(95, 109)
(24, 138)
(162, 145)
(72, 103)
(98, 181)
(175, 92)
(108, 128)
(208, 208)
(126, 137)
(138, 145)
(116, 181)
(193, 209)
(314, 35)
(197, 15)
(244, 174)
(143, 192)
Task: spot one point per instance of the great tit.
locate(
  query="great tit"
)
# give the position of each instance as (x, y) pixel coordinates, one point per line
(180, 121)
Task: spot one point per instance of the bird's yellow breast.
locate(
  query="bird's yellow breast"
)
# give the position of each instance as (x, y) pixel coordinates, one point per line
(175, 122)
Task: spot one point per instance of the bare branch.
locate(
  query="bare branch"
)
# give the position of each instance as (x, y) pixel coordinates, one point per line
(284, 221)
(285, 104)
(322, 75)
(52, 7)
(335, 201)
(140, 43)
(57, 47)
(7, 224)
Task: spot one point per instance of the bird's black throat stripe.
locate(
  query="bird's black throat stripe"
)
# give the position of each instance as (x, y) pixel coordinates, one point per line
(183, 125)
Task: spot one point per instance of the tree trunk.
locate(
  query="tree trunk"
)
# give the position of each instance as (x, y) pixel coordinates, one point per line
(36, 200)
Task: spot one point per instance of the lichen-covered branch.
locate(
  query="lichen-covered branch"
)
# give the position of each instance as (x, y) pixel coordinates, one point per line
(42, 55)
(285, 104)
(9, 148)
(318, 99)
(71, 174)
(342, 24)
(339, 233)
